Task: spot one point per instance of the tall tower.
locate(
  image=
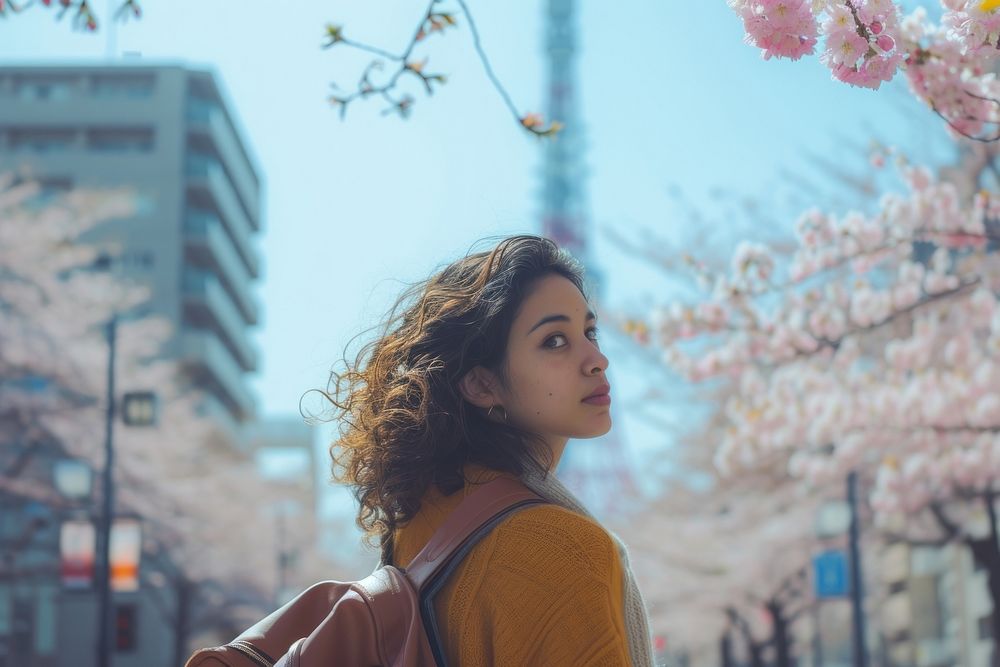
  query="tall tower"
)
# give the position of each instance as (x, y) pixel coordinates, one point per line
(597, 471)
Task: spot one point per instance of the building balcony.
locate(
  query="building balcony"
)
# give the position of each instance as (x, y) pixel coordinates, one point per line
(207, 178)
(207, 240)
(212, 363)
(203, 290)
(207, 119)
(214, 410)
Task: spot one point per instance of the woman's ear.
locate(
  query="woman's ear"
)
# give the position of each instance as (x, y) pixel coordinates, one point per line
(477, 386)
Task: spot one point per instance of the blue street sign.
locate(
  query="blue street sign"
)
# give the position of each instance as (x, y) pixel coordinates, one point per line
(830, 574)
(34, 384)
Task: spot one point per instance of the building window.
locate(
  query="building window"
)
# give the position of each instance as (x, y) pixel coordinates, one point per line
(120, 139)
(199, 110)
(41, 139)
(986, 627)
(200, 88)
(200, 165)
(139, 259)
(44, 88)
(126, 628)
(56, 184)
(133, 86)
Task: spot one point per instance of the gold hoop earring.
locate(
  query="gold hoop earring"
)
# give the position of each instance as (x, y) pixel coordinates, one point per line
(489, 413)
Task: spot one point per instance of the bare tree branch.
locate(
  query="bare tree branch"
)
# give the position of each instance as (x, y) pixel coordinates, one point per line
(432, 21)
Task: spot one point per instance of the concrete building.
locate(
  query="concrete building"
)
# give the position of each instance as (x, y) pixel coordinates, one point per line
(168, 133)
(284, 448)
(937, 610)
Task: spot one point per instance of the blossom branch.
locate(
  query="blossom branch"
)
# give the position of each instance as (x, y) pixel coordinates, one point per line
(83, 13)
(432, 21)
(948, 64)
(835, 344)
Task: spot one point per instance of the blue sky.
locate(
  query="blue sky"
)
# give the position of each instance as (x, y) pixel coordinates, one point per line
(672, 100)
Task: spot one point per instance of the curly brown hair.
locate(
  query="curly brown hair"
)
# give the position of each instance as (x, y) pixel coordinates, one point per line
(403, 423)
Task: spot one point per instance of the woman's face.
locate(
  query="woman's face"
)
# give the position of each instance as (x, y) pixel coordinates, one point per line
(553, 363)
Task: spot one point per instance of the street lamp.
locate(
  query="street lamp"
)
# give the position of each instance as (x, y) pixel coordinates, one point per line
(73, 479)
(140, 410)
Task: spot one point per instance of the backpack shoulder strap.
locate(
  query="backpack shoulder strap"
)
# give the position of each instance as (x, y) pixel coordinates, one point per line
(474, 517)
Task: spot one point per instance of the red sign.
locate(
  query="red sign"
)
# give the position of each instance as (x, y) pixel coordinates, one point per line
(77, 549)
(77, 541)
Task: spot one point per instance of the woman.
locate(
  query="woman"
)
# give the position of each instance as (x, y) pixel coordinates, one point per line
(486, 369)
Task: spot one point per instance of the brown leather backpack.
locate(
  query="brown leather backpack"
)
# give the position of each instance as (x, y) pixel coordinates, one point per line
(387, 618)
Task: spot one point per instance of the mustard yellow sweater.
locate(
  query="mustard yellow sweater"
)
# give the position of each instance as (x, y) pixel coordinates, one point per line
(543, 588)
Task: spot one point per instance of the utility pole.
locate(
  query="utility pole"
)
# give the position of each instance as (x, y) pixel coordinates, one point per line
(106, 518)
(857, 590)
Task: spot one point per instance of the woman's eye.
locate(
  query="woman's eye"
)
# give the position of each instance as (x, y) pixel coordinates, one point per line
(548, 341)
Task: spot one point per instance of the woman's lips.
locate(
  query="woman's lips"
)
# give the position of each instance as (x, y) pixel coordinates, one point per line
(601, 399)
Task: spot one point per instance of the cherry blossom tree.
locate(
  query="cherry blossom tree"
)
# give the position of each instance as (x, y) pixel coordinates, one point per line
(201, 502)
(732, 557)
(870, 348)
(949, 65)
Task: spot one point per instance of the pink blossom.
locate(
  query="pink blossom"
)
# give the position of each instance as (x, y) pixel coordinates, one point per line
(919, 178)
(986, 411)
(844, 47)
(713, 315)
(949, 66)
(935, 283)
(975, 29)
(752, 256)
(839, 17)
(982, 306)
(782, 28)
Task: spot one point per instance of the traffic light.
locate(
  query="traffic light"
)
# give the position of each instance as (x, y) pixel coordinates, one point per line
(125, 627)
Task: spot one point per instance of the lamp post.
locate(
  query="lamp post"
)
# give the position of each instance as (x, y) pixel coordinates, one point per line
(140, 410)
(106, 517)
